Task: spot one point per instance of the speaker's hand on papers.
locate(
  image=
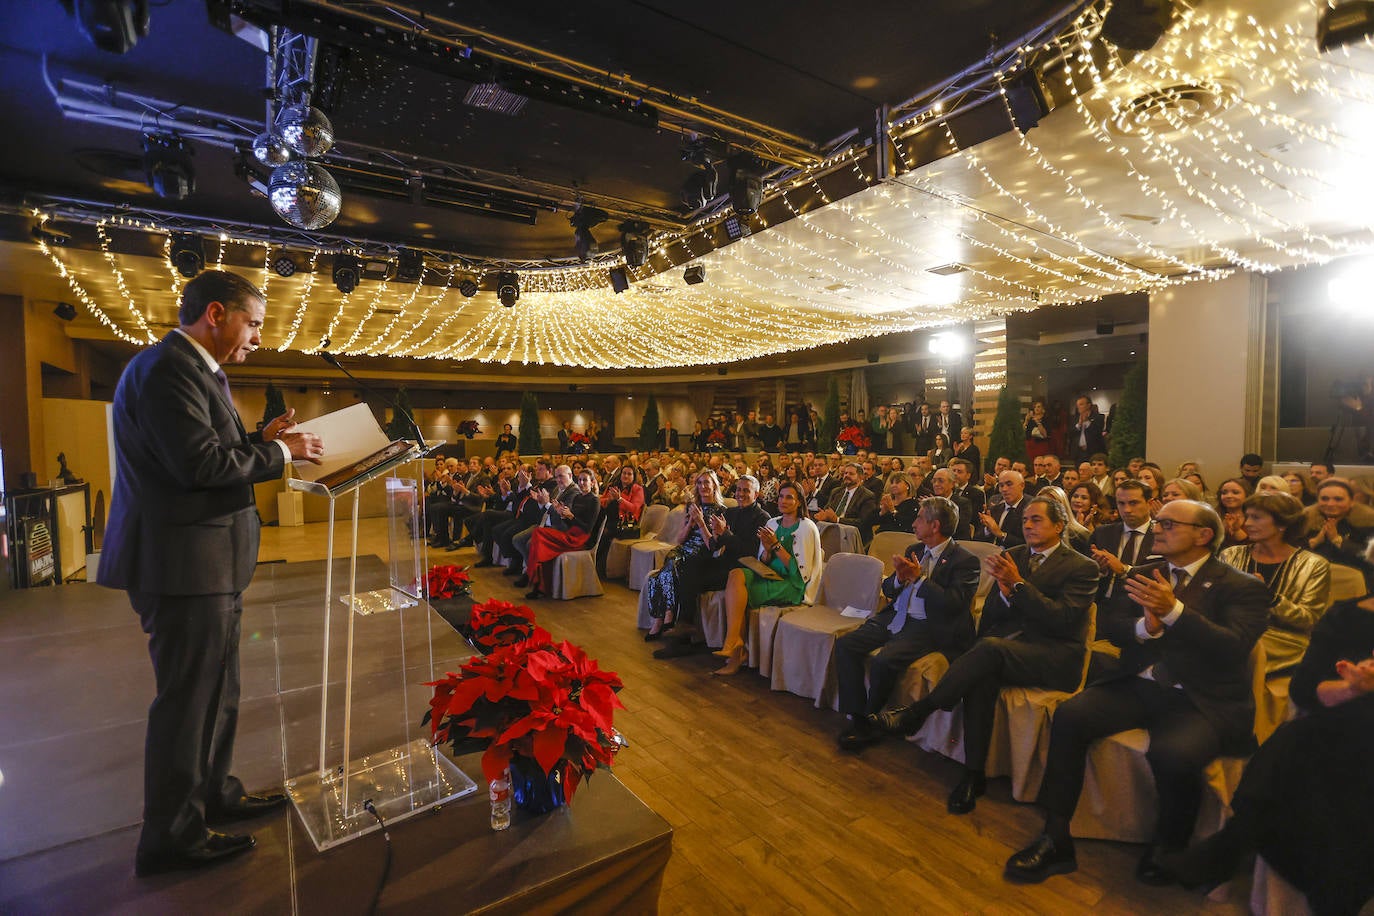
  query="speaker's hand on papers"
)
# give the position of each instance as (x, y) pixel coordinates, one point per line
(304, 446)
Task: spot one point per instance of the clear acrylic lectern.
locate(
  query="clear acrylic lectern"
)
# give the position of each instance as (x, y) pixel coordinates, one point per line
(399, 781)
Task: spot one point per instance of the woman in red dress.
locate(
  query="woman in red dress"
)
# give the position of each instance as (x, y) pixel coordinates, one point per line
(569, 528)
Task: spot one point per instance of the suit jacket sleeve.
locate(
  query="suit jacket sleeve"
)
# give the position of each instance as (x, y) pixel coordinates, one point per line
(176, 417)
(1059, 616)
(948, 591)
(1241, 615)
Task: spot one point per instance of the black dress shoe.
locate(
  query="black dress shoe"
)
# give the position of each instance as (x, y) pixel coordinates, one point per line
(899, 720)
(1206, 866)
(533, 593)
(1040, 860)
(463, 543)
(522, 581)
(247, 807)
(965, 795)
(217, 847)
(1149, 869)
(483, 563)
(511, 570)
(860, 734)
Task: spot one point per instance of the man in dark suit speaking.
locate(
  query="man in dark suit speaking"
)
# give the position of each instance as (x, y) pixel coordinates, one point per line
(1185, 627)
(182, 539)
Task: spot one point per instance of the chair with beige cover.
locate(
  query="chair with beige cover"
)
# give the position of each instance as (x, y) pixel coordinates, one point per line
(1020, 742)
(886, 544)
(838, 538)
(804, 643)
(647, 555)
(651, 522)
(1119, 801)
(1347, 582)
(574, 571)
(1272, 895)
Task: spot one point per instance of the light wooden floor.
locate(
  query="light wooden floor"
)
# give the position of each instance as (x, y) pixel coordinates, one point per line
(769, 817)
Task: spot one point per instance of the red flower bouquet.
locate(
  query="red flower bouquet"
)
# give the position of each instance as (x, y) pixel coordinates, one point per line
(851, 439)
(579, 443)
(447, 581)
(496, 623)
(543, 709)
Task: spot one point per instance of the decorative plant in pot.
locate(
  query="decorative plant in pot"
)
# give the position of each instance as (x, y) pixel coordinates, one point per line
(541, 708)
(447, 582)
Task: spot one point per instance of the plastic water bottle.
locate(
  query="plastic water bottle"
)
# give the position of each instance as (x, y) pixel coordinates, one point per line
(498, 790)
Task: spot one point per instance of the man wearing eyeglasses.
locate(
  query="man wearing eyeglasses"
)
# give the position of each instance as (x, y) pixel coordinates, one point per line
(1001, 524)
(1031, 634)
(1185, 627)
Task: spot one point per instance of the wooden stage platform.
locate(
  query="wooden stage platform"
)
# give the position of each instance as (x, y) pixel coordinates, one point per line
(73, 699)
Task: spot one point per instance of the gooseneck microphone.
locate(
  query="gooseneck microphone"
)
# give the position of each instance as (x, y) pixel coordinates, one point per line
(394, 402)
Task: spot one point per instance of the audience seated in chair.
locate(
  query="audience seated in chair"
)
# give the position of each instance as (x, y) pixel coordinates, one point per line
(1334, 530)
(931, 592)
(1001, 523)
(897, 509)
(1118, 546)
(1185, 627)
(791, 546)
(664, 590)
(1298, 580)
(1031, 634)
(568, 524)
(1306, 801)
(622, 503)
(733, 534)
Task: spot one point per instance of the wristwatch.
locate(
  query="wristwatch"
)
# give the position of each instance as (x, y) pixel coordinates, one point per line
(1017, 587)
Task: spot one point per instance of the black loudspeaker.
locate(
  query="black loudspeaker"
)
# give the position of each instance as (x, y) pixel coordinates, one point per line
(1137, 24)
(113, 25)
(1104, 328)
(694, 274)
(1026, 100)
(65, 310)
(873, 357)
(620, 280)
(410, 265)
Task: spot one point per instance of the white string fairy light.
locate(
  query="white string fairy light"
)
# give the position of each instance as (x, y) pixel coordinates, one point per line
(306, 286)
(140, 320)
(79, 291)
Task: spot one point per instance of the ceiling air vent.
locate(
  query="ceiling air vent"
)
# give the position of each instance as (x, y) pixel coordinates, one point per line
(944, 270)
(1171, 109)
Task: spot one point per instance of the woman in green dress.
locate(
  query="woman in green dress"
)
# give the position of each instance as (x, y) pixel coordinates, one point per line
(791, 546)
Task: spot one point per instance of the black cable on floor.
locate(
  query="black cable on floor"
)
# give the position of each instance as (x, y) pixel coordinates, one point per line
(386, 868)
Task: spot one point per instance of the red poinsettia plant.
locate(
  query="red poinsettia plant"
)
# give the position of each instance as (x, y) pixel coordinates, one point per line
(853, 435)
(495, 623)
(447, 581)
(534, 699)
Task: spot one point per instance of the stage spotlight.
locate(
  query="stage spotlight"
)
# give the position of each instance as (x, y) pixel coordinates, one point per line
(1137, 24)
(187, 254)
(508, 288)
(347, 271)
(167, 164)
(694, 274)
(284, 265)
(410, 265)
(113, 25)
(948, 346)
(1345, 23)
(65, 310)
(468, 287)
(582, 221)
(700, 188)
(634, 242)
(620, 280)
(746, 183)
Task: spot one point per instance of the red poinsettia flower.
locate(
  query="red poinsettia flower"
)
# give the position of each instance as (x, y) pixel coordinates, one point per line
(447, 581)
(531, 698)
